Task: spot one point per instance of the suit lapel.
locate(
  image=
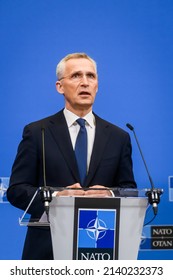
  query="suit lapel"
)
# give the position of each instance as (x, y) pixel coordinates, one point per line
(59, 130)
(101, 137)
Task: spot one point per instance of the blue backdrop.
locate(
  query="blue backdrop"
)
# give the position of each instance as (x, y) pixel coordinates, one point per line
(132, 42)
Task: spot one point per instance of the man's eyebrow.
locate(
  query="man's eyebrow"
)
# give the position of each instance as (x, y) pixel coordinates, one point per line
(82, 73)
(76, 72)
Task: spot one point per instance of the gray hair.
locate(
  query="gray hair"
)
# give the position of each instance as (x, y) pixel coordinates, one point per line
(61, 65)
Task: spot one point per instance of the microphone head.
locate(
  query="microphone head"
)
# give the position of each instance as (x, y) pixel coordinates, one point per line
(130, 126)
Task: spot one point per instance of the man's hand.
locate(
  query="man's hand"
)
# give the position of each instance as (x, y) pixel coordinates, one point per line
(77, 190)
(101, 192)
(73, 190)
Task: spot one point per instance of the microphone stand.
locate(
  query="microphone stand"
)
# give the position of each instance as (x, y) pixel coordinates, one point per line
(45, 191)
(153, 194)
(154, 198)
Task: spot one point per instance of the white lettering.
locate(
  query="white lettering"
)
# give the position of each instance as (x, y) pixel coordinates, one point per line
(160, 243)
(162, 231)
(95, 256)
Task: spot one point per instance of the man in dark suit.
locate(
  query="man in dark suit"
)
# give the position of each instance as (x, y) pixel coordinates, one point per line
(109, 162)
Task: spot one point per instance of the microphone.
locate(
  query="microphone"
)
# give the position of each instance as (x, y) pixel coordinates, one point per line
(153, 193)
(45, 191)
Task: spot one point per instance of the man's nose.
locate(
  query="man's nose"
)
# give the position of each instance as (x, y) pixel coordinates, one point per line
(84, 80)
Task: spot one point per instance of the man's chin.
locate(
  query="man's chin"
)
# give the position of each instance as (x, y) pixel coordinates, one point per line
(84, 106)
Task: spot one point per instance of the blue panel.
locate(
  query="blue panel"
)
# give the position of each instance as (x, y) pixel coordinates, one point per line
(98, 229)
(132, 44)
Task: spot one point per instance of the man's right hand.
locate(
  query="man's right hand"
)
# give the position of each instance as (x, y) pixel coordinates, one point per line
(73, 190)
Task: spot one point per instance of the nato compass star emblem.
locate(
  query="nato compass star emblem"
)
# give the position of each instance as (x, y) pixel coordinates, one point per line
(96, 229)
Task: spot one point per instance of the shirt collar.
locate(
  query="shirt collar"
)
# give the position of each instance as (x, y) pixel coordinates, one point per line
(71, 118)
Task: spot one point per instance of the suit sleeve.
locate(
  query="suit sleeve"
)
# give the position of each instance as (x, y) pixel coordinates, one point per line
(24, 177)
(125, 176)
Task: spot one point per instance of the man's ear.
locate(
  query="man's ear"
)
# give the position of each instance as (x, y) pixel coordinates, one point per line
(59, 87)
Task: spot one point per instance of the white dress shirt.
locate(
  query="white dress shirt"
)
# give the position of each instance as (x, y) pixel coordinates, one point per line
(74, 128)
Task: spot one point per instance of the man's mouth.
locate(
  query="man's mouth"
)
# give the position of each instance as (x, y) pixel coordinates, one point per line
(84, 93)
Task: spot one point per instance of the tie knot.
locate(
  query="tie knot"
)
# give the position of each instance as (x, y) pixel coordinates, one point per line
(81, 122)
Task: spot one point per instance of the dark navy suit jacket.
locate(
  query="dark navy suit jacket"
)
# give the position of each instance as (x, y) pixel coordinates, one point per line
(110, 165)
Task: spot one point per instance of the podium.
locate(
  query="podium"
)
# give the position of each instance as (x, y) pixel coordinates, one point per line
(96, 228)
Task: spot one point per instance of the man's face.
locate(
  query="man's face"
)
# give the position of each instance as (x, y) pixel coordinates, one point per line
(79, 84)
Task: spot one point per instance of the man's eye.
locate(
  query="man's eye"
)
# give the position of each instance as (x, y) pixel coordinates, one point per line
(91, 75)
(75, 75)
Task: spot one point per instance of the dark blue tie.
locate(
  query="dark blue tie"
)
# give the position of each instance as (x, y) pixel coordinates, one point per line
(81, 150)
